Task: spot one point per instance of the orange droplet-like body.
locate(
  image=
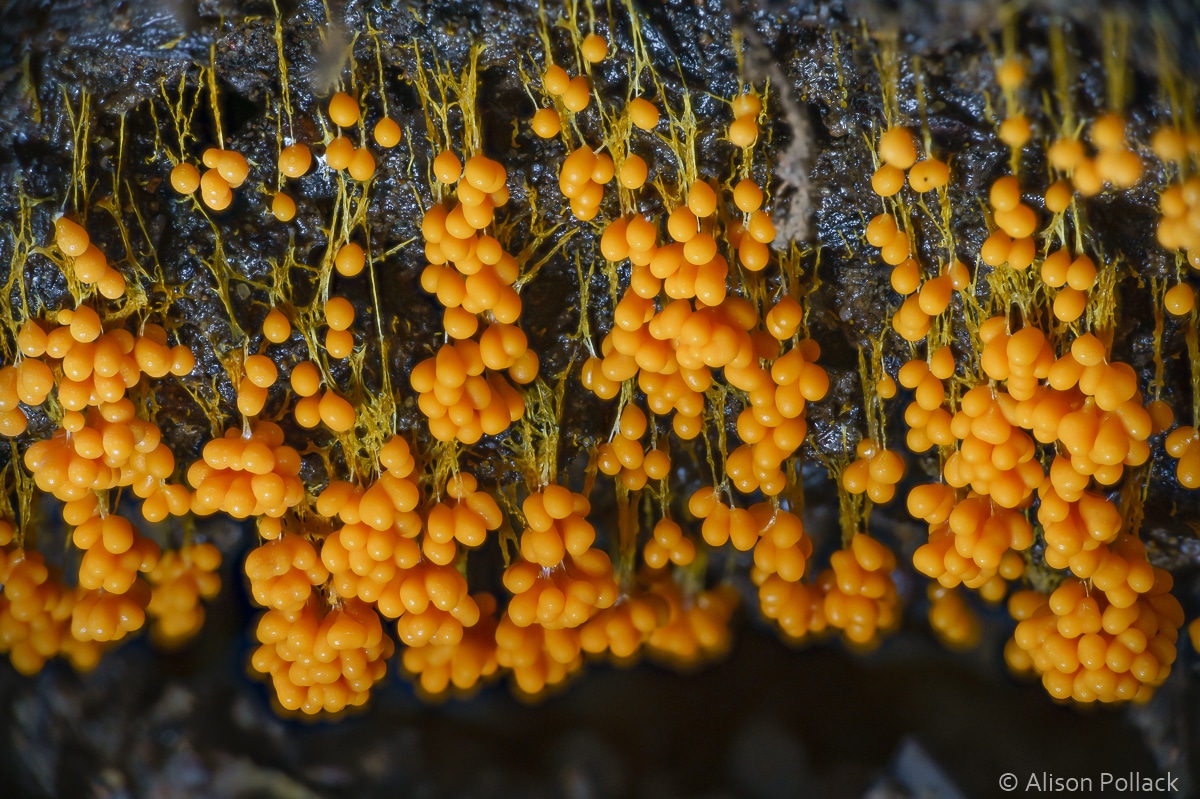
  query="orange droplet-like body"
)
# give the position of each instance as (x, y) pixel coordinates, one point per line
(185, 178)
(343, 109)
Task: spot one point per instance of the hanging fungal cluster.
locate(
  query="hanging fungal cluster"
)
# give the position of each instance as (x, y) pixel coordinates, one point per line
(447, 502)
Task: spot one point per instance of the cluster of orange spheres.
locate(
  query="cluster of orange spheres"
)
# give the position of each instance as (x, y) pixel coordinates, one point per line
(1077, 525)
(575, 92)
(480, 283)
(1012, 241)
(537, 657)
(88, 262)
(97, 366)
(783, 548)
(247, 475)
(995, 457)
(388, 503)
(874, 472)
(924, 299)
(672, 353)
(364, 560)
(928, 422)
(950, 617)
(259, 374)
(797, 608)
(1088, 649)
(458, 399)
(375, 555)
(225, 171)
(723, 523)
(101, 616)
(1179, 228)
(466, 516)
(294, 162)
(556, 525)
(1183, 443)
(898, 153)
(697, 627)
(1104, 425)
(1015, 130)
(283, 572)
(30, 382)
(322, 661)
(973, 542)
(1114, 164)
(462, 665)
(1021, 359)
(624, 456)
(107, 449)
(743, 131)
(180, 580)
(1073, 277)
(113, 554)
(431, 605)
(860, 597)
(625, 627)
(314, 406)
(582, 178)
(340, 152)
(563, 597)
(668, 544)
(35, 611)
(774, 425)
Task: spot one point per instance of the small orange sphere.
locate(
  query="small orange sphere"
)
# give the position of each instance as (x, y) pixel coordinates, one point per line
(746, 105)
(306, 379)
(261, 371)
(362, 165)
(887, 180)
(555, 80)
(70, 237)
(276, 327)
(350, 259)
(643, 113)
(1180, 299)
(633, 172)
(1005, 193)
(233, 167)
(215, 190)
(1010, 73)
(701, 199)
(1065, 154)
(1058, 196)
(1016, 131)
(387, 132)
(546, 124)
(339, 152)
(1108, 132)
(295, 160)
(343, 109)
(283, 207)
(897, 148)
(336, 412)
(447, 168)
(881, 230)
(594, 48)
(747, 196)
(743, 131)
(928, 175)
(339, 313)
(578, 94)
(185, 178)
